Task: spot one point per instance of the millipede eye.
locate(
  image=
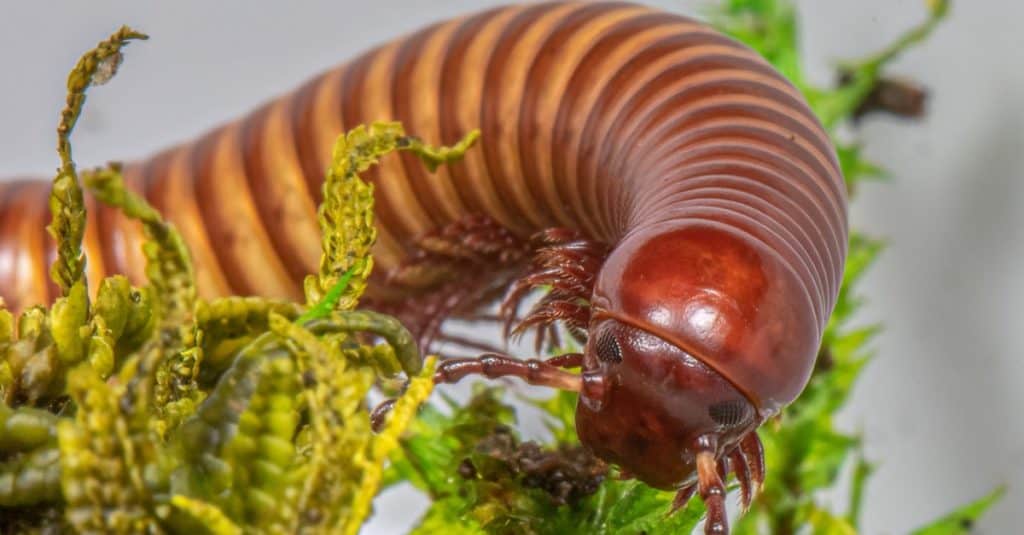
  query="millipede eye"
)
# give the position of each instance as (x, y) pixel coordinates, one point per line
(730, 413)
(608, 349)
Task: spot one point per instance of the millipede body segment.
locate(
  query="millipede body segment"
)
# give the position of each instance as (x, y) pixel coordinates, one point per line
(675, 193)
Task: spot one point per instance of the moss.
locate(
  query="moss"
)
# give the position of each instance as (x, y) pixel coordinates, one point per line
(150, 410)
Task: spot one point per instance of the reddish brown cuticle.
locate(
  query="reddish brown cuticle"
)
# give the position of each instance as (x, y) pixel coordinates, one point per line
(600, 313)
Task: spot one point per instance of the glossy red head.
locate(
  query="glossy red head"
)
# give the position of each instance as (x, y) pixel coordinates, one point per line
(698, 334)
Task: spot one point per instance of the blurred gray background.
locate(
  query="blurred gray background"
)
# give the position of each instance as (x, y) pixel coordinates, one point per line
(940, 405)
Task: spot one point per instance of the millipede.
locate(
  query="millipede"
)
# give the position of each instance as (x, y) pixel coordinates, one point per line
(673, 193)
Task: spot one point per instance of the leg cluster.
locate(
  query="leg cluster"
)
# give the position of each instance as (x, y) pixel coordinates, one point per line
(453, 272)
(462, 267)
(567, 265)
(746, 461)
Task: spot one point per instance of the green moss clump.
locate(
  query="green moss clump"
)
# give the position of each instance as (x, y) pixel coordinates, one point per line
(152, 411)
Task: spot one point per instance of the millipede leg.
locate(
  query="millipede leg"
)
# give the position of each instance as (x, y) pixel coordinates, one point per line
(494, 365)
(753, 453)
(568, 360)
(509, 307)
(463, 247)
(425, 315)
(712, 491)
(742, 470)
(724, 467)
(683, 496)
(567, 266)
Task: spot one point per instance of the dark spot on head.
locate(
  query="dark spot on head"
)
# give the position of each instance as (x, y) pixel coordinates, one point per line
(608, 349)
(730, 413)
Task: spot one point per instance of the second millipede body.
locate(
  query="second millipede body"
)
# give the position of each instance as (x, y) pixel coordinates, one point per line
(692, 193)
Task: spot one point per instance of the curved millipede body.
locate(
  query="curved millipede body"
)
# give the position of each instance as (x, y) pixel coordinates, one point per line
(672, 189)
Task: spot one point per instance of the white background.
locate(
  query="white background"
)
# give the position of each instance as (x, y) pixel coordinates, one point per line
(939, 406)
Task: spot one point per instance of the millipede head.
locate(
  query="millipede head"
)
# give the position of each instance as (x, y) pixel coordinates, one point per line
(656, 400)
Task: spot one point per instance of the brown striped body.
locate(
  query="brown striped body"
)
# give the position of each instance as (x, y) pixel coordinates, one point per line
(702, 169)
